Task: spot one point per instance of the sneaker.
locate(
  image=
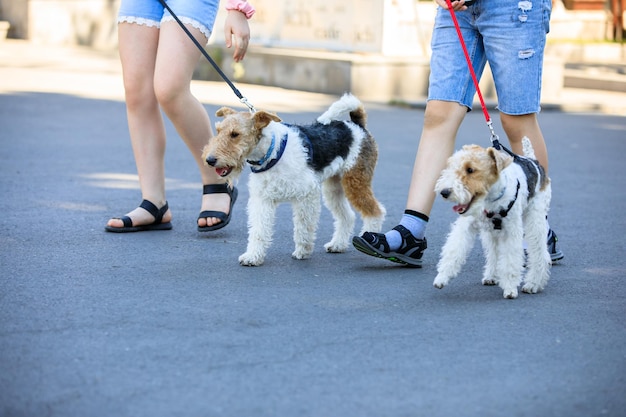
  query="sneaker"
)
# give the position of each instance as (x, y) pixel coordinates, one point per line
(375, 244)
(555, 253)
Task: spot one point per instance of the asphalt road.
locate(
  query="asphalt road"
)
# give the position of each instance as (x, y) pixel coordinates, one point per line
(168, 323)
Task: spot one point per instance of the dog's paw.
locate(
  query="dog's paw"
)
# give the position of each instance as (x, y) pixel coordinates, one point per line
(440, 281)
(249, 259)
(490, 281)
(510, 294)
(301, 254)
(333, 247)
(529, 288)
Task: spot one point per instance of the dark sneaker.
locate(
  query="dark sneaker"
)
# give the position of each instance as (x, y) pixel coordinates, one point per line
(555, 253)
(375, 244)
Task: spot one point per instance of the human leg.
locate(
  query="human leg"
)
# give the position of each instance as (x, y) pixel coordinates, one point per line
(405, 243)
(515, 51)
(137, 48)
(450, 94)
(518, 126)
(441, 123)
(172, 88)
(514, 39)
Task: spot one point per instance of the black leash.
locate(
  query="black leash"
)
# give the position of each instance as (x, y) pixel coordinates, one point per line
(494, 138)
(208, 57)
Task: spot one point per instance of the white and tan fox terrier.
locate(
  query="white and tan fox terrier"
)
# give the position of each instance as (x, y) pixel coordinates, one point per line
(505, 199)
(298, 164)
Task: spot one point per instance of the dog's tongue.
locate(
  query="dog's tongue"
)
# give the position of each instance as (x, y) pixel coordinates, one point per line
(460, 208)
(222, 172)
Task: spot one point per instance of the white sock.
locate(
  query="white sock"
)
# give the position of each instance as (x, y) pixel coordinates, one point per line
(415, 225)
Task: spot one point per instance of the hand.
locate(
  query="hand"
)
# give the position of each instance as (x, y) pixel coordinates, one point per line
(236, 27)
(457, 5)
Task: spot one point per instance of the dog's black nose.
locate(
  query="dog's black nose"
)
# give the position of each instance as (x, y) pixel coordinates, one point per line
(211, 160)
(445, 193)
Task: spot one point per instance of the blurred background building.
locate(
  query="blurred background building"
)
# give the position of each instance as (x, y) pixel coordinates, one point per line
(378, 49)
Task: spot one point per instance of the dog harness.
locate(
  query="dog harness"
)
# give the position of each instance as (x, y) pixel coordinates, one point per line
(497, 221)
(308, 146)
(273, 161)
(532, 171)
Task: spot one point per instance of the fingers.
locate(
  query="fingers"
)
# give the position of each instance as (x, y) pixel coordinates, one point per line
(457, 5)
(241, 46)
(236, 29)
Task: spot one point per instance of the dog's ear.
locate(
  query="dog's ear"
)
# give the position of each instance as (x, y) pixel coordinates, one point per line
(225, 111)
(501, 159)
(471, 148)
(263, 118)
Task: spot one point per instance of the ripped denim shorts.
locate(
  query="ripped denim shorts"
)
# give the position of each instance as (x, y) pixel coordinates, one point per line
(510, 35)
(197, 13)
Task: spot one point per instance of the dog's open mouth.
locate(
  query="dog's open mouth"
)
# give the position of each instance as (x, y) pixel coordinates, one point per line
(462, 208)
(224, 171)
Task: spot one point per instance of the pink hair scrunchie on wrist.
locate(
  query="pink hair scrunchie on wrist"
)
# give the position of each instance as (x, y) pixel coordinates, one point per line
(241, 6)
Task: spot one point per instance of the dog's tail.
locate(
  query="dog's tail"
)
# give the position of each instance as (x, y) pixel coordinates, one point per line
(347, 104)
(527, 148)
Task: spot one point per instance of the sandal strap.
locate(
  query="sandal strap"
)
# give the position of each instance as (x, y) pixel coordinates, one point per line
(216, 189)
(404, 232)
(156, 212)
(410, 243)
(128, 222)
(212, 213)
(377, 241)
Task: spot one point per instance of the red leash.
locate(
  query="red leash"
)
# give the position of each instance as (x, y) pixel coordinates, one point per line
(494, 138)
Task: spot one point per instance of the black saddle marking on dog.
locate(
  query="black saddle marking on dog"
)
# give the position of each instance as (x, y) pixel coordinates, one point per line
(532, 170)
(326, 142)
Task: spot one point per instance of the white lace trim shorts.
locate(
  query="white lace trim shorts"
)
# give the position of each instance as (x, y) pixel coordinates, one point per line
(198, 13)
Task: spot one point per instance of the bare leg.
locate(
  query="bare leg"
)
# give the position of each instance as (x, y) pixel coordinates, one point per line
(137, 48)
(516, 127)
(441, 123)
(176, 60)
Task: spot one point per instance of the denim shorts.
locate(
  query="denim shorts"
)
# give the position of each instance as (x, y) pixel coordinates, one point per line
(197, 13)
(510, 35)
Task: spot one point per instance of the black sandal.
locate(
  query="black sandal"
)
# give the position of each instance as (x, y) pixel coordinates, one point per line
(225, 218)
(375, 244)
(157, 213)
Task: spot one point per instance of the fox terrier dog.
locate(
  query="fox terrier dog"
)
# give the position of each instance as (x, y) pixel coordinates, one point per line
(505, 199)
(333, 158)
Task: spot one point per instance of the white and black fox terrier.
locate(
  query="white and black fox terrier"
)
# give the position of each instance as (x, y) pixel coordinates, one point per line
(298, 164)
(505, 199)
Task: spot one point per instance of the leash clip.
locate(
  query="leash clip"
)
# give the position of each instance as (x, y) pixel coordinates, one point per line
(248, 104)
(495, 140)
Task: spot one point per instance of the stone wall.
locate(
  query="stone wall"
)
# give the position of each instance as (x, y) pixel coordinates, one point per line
(16, 13)
(63, 22)
(387, 27)
(378, 49)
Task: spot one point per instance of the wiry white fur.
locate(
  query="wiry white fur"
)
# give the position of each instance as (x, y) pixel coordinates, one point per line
(503, 248)
(340, 108)
(293, 181)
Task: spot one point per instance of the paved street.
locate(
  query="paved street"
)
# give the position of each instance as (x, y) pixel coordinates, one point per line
(168, 324)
